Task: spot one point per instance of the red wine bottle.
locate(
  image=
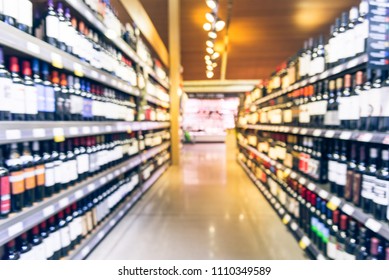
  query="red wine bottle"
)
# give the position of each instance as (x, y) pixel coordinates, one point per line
(49, 94)
(5, 188)
(47, 241)
(69, 221)
(39, 164)
(49, 170)
(341, 168)
(381, 189)
(71, 163)
(40, 89)
(59, 100)
(11, 252)
(66, 98)
(29, 175)
(341, 238)
(369, 181)
(62, 28)
(58, 170)
(48, 29)
(25, 248)
(76, 229)
(31, 93)
(359, 171)
(351, 167)
(38, 247)
(54, 233)
(351, 241)
(16, 178)
(18, 91)
(65, 176)
(5, 90)
(64, 233)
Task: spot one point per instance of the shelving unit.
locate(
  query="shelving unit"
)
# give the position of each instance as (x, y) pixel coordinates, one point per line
(86, 247)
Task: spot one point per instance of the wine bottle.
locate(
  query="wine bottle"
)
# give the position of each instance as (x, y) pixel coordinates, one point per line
(64, 233)
(351, 33)
(10, 12)
(16, 178)
(38, 162)
(70, 225)
(362, 28)
(18, 91)
(359, 171)
(361, 251)
(59, 99)
(29, 175)
(38, 248)
(333, 222)
(72, 163)
(31, 94)
(365, 110)
(374, 96)
(49, 170)
(381, 189)
(24, 18)
(331, 119)
(351, 169)
(48, 30)
(351, 241)
(40, 90)
(11, 252)
(5, 188)
(55, 234)
(353, 106)
(62, 28)
(58, 170)
(76, 229)
(374, 251)
(71, 32)
(49, 94)
(75, 98)
(341, 238)
(5, 90)
(344, 105)
(369, 181)
(341, 169)
(25, 248)
(333, 167)
(384, 119)
(66, 98)
(65, 176)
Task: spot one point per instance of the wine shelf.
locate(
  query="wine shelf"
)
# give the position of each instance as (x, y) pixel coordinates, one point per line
(334, 202)
(157, 101)
(353, 135)
(30, 45)
(33, 131)
(303, 240)
(326, 74)
(20, 222)
(86, 247)
(117, 41)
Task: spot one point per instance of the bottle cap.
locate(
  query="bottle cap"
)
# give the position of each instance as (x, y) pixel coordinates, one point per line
(11, 243)
(64, 81)
(60, 7)
(335, 216)
(60, 214)
(35, 230)
(55, 77)
(14, 64)
(343, 222)
(26, 68)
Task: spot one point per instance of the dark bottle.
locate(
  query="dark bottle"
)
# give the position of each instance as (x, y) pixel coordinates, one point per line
(77, 226)
(74, 113)
(31, 94)
(65, 181)
(354, 102)
(25, 248)
(374, 249)
(375, 96)
(69, 221)
(16, 178)
(322, 104)
(49, 93)
(5, 188)
(341, 168)
(71, 33)
(66, 98)
(10, 12)
(29, 175)
(342, 41)
(384, 119)
(18, 91)
(37, 245)
(381, 189)
(369, 181)
(333, 223)
(64, 234)
(325, 227)
(11, 252)
(47, 241)
(331, 119)
(341, 238)
(49, 170)
(48, 29)
(40, 90)
(5, 90)
(351, 169)
(39, 164)
(351, 241)
(362, 250)
(58, 170)
(25, 18)
(54, 233)
(63, 28)
(72, 163)
(333, 167)
(365, 110)
(359, 171)
(59, 99)
(345, 107)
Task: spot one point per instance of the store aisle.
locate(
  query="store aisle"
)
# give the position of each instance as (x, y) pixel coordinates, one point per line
(206, 209)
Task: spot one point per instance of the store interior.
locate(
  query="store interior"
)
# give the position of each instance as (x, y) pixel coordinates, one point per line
(194, 130)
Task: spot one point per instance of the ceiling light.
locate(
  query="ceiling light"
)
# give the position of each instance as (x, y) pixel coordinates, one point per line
(210, 43)
(211, 4)
(207, 26)
(210, 17)
(219, 25)
(215, 55)
(209, 74)
(214, 65)
(210, 50)
(212, 35)
(209, 67)
(207, 57)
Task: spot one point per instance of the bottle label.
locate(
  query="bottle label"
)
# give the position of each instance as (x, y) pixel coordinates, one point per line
(357, 182)
(29, 178)
(341, 170)
(52, 26)
(331, 248)
(368, 183)
(10, 8)
(65, 172)
(374, 97)
(304, 116)
(63, 35)
(39, 252)
(332, 118)
(73, 231)
(58, 172)
(16, 179)
(50, 99)
(5, 198)
(56, 240)
(65, 237)
(75, 104)
(27, 256)
(349, 108)
(332, 167)
(5, 94)
(48, 247)
(349, 184)
(40, 175)
(49, 175)
(25, 12)
(385, 102)
(41, 98)
(73, 170)
(381, 192)
(18, 99)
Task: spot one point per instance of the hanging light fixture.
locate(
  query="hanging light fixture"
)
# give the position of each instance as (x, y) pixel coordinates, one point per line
(215, 55)
(209, 74)
(219, 25)
(212, 4)
(211, 17)
(207, 26)
(210, 50)
(212, 35)
(210, 43)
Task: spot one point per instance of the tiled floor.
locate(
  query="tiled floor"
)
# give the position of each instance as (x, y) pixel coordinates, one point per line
(205, 209)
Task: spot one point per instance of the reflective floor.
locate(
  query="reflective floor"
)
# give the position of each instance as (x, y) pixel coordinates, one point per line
(205, 209)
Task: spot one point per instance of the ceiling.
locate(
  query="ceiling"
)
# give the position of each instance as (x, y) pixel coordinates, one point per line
(262, 33)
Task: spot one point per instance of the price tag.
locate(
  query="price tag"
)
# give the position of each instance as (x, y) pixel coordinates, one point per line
(304, 131)
(112, 223)
(337, 69)
(85, 251)
(85, 129)
(373, 225)
(317, 132)
(295, 130)
(91, 187)
(281, 211)
(323, 75)
(48, 211)
(293, 226)
(304, 242)
(323, 194)
(286, 219)
(101, 234)
(78, 194)
(39, 132)
(313, 79)
(117, 173)
(365, 137)
(59, 135)
(386, 140)
(95, 129)
(334, 203)
(108, 128)
(103, 180)
(34, 48)
(15, 229)
(348, 209)
(302, 181)
(94, 74)
(352, 63)
(330, 133)
(287, 129)
(103, 78)
(346, 135)
(56, 60)
(114, 82)
(110, 176)
(123, 169)
(311, 187)
(78, 70)
(121, 213)
(64, 202)
(13, 134)
(73, 130)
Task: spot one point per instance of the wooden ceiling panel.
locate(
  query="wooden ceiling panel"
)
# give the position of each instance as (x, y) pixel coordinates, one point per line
(262, 34)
